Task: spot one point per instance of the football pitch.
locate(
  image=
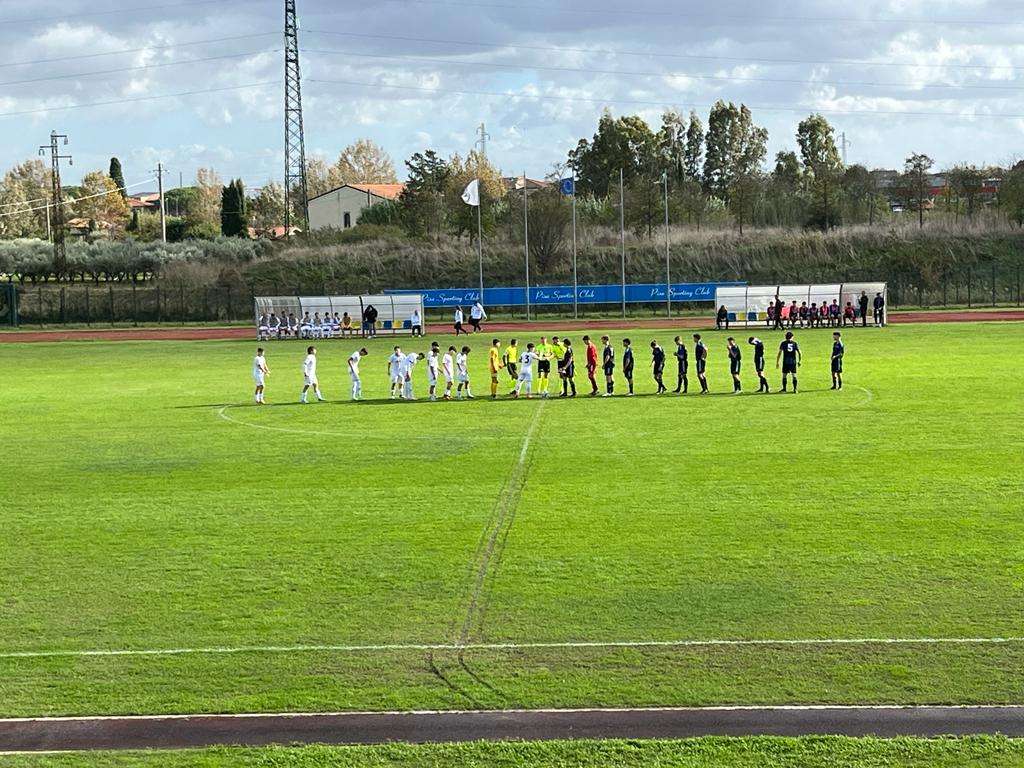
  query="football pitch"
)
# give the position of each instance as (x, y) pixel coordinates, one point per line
(169, 547)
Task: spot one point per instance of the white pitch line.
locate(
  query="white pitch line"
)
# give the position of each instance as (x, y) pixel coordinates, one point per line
(567, 645)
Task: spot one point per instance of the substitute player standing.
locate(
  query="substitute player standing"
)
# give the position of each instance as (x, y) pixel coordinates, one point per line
(658, 366)
(700, 354)
(758, 346)
(259, 374)
(735, 358)
(309, 375)
(683, 359)
(838, 350)
(494, 364)
(789, 353)
(353, 371)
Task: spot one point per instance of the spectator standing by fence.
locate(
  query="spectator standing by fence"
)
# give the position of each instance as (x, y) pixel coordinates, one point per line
(416, 322)
(459, 317)
(370, 321)
(879, 310)
(863, 303)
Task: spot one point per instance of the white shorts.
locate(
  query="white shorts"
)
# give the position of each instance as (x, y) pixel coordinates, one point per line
(258, 378)
(397, 376)
(526, 377)
(354, 376)
(311, 381)
(431, 377)
(462, 378)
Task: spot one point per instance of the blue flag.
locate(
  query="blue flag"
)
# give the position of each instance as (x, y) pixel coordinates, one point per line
(568, 187)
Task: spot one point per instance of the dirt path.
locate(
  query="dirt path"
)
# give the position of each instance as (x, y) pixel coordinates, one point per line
(165, 732)
(237, 332)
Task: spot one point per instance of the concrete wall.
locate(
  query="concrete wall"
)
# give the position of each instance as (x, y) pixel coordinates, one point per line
(329, 210)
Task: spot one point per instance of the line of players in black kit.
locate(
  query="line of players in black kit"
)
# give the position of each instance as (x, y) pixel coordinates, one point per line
(788, 358)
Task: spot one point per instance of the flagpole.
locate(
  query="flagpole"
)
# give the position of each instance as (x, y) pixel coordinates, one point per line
(575, 280)
(526, 245)
(668, 263)
(480, 239)
(622, 238)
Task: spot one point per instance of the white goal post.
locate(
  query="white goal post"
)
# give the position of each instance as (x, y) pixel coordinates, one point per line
(748, 304)
(394, 313)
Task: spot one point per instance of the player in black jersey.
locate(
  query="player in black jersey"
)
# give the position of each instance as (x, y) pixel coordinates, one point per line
(789, 354)
(658, 366)
(682, 358)
(758, 346)
(608, 365)
(627, 364)
(700, 354)
(735, 356)
(838, 350)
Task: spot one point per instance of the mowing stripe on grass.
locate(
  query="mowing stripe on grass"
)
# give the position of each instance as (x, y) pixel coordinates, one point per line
(567, 645)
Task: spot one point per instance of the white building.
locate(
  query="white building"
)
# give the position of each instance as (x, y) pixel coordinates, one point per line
(340, 208)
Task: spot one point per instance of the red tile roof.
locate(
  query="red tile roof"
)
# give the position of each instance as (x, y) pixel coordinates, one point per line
(388, 191)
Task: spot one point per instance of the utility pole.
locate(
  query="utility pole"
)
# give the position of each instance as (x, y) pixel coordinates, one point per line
(668, 260)
(163, 210)
(622, 237)
(295, 189)
(482, 142)
(843, 144)
(60, 258)
(526, 244)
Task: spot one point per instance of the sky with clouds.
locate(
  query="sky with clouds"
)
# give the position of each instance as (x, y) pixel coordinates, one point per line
(934, 76)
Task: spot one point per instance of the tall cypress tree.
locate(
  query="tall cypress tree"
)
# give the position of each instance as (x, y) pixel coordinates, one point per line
(233, 218)
(117, 176)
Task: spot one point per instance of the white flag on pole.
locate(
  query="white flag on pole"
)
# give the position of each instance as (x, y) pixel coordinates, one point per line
(471, 194)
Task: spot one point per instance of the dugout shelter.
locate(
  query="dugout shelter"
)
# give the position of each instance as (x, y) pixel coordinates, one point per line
(393, 318)
(748, 304)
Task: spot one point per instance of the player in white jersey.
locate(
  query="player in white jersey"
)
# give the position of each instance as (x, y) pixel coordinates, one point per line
(525, 380)
(353, 371)
(448, 369)
(395, 373)
(259, 374)
(433, 368)
(309, 375)
(410, 362)
(462, 374)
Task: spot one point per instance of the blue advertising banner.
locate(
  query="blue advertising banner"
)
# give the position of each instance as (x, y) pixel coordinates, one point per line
(562, 294)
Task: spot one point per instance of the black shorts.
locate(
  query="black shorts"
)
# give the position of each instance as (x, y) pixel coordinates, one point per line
(701, 365)
(543, 367)
(608, 369)
(759, 364)
(627, 372)
(511, 370)
(789, 367)
(684, 367)
(837, 365)
(734, 366)
(659, 369)
(569, 371)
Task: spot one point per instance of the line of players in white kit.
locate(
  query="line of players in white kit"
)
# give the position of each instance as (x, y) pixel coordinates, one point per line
(452, 366)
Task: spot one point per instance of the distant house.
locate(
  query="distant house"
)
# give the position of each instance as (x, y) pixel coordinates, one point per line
(273, 233)
(81, 227)
(516, 183)
(340, 208)
(146, 202)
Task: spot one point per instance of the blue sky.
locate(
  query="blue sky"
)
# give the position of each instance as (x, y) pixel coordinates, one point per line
(941, 77)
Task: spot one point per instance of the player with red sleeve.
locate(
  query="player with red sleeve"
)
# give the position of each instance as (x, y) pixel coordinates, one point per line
(591, 364)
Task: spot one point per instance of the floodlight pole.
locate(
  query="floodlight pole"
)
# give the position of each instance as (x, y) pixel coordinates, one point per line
(526, 245)
(575, 277)
(668, 263)
(622, 238)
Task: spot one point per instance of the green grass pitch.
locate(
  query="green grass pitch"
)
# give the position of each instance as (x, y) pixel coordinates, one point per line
(140, 514)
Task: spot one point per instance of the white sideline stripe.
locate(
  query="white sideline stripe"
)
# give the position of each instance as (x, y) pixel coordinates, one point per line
(542, 710)
(399, 647)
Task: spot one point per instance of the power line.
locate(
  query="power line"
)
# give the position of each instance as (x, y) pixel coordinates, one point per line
(136, 99)
(661, 54)
(112, 12)
(665, 104)
(628, 73)
(520, 7)
(160, 47)
(74, 200)
(137, 69)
